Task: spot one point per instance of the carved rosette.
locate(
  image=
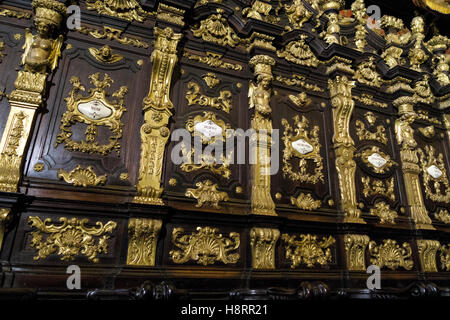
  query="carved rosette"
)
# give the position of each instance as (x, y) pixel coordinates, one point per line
(308, 250)
(157, 112)
(142, 240)
(260, 143)
(391, 255)
(410, 162)
(355, 248)
(343, 104)
(70, 239)
(427, 254)
(263, 242)
(205, 246)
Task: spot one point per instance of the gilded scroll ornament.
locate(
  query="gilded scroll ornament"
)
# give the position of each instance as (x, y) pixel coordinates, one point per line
(364, 134)
(222, 102)
(297, 14)
(213, 60)
(110, 33)
(306, 202)
(211, 80)
(124, 9)
(342, 103)
(259, 99)
(205, 246)
(70, 239)
(368, 100)
(105, 55)
(391, 255)
(366, 73)
(423, 91)
(157, 109)
(355, 248)
(15, 14)
(81, 177)
(393, 57)
(142, 240)
(300, 100)
(299, 143)
(308, 250)
(434, 174)
(384, 212)
(443, 216)
(217, 30)
(372, 187)
(428, 254)
(424, 115)
(377, 160)
(94, 111)
(207, 194)
(263, 242)
(5, 217)
(260, 11)
(445, 257)
(299, 53)
(299, 81)
(427, 132)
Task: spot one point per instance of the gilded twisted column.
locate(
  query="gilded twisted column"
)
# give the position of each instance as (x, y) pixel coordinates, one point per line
(410, 162)
(42, 51)
(260, 142)
(344, 146)
(157, 112)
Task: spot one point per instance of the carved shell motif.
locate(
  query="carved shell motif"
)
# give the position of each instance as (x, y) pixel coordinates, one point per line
(82, 177)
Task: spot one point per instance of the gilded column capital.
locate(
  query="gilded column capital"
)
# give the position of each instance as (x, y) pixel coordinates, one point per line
(427, 254)
(263, 242)
(142, 240)
(355, 248)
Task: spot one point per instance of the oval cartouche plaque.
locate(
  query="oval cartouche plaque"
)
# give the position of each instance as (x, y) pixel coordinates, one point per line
(434, 171)
(208, 128)
(94, 110)
(302, 146)
(376, 160)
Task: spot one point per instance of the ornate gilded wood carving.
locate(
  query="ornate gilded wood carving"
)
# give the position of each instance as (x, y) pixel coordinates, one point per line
(259, 98)
(306, 202)
(263, 242)
(207, 193)
(408, 153)
(299, 80)
(105, 55)
(427, 254)
(157, 111)
(392, 57)
(81, 177)
(216, 29)
(341, 100)
(355, 248)
(445, 257)
(299, 52)
(5, 217)
(222, 102)
(170, 14)
(142, 240)
(297, 14)
(308, 250)
(15, 14)
(213, 59)
(124, 9)
(373, 187)
(211, 80)
(110, 33)
(2, 47)
(94, 111)
(70, 239)
(368, 100)
(365, 135)
(417, 55)
(260, 11)
(384, 212)
(376, 160)
(303, 145)
(366, 73)
(205, 246)
(443, 216)
(391, 255)
(434, 173)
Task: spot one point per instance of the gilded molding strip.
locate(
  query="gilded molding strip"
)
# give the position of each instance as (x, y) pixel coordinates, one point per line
(5, 217)
(391, 255)
(213, 60)
(428, 254)
(410, 162)
(40, 58)
(308, 250)
(157, 111)
(170, 14)
(70, 239)
(142, 240)
(263, 242)
(368, 100)
(128, 10)
(355, 248)
(205, 246)
(15, 14)
(298, 80)
(341, 100)
(207, 193)
(113, 34)
(259, 99)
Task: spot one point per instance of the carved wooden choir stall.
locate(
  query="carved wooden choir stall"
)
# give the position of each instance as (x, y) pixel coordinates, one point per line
(350, 147)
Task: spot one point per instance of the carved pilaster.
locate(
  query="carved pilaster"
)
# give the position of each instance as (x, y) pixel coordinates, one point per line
(142, 240)
(5, 217)
(157, 112)
(427, 254)
(260, 94)
(355, 249)
(263, 241)
(410, 160)
(341, 100)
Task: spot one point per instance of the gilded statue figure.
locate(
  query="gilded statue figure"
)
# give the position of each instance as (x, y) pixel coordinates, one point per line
(41, 51)
(260, 94)
(404, 132)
